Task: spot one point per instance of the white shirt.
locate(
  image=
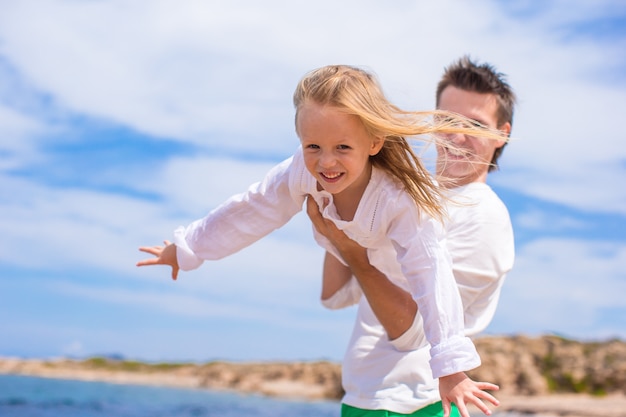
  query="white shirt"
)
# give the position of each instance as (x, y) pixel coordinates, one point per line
(479, 237)
(400, 244)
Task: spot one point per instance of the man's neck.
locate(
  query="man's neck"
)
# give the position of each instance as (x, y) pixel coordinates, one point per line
(457, 182)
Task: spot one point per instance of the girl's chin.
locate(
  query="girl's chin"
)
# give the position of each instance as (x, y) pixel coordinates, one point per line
(331, 188)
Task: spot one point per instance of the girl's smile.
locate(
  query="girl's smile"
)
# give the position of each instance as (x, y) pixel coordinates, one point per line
(331, 176)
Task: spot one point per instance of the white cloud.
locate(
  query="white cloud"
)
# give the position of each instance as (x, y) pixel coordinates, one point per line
(73, 349)
(539, 221)
(243, 287)
(563, 285)
(198, 184)
(567, 149)
(16, 143)
(597, 281)
(66, 228)
(214, 74)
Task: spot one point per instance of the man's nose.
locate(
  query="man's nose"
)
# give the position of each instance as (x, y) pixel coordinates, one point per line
(456, 138)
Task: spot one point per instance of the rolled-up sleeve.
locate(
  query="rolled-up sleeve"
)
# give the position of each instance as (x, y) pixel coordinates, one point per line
(414, 338)
(346, 296)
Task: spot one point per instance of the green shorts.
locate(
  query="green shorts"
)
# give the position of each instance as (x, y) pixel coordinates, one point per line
(433, 410)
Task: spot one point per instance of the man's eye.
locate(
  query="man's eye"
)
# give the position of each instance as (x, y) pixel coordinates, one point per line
(446, 120)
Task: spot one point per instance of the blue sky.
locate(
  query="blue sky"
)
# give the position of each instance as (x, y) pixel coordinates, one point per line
(120, 121)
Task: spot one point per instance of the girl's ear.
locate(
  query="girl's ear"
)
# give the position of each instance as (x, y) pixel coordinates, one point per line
(377, 145)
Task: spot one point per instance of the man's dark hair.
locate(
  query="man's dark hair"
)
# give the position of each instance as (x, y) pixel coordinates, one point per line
(481, 78)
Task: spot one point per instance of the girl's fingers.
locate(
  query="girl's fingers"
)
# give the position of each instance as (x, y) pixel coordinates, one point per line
(488, 397)
(463, 409)
(446, 408)
(487, 386)
(146, 262)
(482, 407)
(152, 250)
(485, 395)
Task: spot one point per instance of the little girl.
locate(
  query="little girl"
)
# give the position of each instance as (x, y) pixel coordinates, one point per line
(355, 162)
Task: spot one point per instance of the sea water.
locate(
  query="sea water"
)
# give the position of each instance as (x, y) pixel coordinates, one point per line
(45, 397)
(24, 396)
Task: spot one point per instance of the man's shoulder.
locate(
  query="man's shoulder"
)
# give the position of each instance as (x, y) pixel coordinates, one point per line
(476, 193)
(479, 221)
(477, 201)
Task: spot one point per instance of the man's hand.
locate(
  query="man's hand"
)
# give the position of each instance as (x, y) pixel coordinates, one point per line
(461, 390)
(348, 248)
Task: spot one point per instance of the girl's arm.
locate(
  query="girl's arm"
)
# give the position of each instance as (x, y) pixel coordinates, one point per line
(238, 222)
(242, 219)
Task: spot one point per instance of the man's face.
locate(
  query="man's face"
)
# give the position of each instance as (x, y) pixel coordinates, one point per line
(462, 159)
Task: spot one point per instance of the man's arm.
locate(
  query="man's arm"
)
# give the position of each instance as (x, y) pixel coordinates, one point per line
(393, 306)
(335, 276)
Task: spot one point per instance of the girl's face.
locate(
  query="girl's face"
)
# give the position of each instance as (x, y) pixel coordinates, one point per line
(336, 148)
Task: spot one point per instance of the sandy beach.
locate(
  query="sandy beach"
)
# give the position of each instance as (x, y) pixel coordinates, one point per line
(565, 405)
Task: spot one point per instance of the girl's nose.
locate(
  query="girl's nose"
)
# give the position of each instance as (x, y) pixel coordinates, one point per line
(327, 160)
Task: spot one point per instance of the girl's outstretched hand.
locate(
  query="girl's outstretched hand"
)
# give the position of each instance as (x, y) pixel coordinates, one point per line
(164, 255)
(461, 390)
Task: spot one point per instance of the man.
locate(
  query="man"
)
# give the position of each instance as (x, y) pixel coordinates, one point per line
(386, 363)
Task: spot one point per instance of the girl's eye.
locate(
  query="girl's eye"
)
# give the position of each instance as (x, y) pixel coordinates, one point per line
(343, 147)
(312, 146)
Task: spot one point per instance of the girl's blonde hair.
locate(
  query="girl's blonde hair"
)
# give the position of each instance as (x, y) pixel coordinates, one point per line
(357, 92)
